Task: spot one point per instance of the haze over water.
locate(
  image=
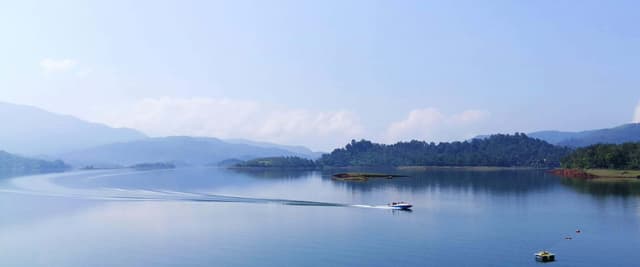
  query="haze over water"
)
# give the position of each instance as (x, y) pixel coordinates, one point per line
(94, 92)
(218, 217)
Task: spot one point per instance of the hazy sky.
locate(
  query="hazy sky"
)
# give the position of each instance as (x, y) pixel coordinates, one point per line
(319, 73)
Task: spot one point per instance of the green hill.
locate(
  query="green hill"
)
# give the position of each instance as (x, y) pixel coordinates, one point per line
(605, 156)
(499, 150)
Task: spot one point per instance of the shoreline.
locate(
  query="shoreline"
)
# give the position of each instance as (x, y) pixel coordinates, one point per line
(465, 168)
(363, 176)
(399, 168)
(271, 168)
(597, 174)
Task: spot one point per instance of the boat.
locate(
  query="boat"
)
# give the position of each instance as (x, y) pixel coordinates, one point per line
(545, 256)
(400, 205)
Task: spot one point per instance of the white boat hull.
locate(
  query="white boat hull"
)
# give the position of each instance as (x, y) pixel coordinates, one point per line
(401, 206)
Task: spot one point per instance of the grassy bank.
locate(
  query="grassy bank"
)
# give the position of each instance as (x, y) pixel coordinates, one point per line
(599, 174)
(610, 173)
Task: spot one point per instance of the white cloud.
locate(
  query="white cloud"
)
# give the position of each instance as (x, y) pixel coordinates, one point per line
(83, 72)
(432, 125)
(49, 65)
(230, 118)
(320, 130)
(636, 116)
(469, 116)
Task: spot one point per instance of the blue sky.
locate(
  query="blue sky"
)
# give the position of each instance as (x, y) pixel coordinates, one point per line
(319, 73)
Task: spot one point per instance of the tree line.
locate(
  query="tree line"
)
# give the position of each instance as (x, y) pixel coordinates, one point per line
(278, 162)
(605, 156)
(501, 150)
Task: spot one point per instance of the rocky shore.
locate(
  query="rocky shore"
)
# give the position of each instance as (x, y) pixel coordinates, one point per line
(573, 173)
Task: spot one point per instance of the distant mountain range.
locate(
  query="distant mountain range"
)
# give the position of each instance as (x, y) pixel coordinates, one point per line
(617, 135)
(304, 152)
(180, 150)
(38, 133)
(32, 131)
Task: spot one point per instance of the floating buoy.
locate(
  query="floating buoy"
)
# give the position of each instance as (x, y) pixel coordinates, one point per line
(545, 256)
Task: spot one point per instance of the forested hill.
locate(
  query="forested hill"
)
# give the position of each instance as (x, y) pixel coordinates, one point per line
(12, 165)
(517, 150)
(625, 156)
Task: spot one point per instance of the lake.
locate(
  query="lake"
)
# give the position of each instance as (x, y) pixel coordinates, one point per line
(218, 217)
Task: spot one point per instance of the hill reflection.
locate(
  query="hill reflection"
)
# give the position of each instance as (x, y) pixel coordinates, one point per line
(495, 182)
(604, 188)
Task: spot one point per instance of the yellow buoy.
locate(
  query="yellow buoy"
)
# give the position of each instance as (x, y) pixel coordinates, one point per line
(545, 256)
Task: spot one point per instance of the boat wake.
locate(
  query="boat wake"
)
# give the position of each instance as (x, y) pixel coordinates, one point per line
(384, 207)
(45, 185)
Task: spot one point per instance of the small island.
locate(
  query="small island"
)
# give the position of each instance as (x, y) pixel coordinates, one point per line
(278, 163)
(153, 166)
(226, 163)
(358, 176)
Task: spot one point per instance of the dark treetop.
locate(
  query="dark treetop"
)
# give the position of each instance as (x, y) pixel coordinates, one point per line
(605, 156)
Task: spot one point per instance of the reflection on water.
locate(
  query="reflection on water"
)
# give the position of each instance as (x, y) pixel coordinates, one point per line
(498, 182)
(219, 217)
(275, 173)
(601, 188)
(493, 181)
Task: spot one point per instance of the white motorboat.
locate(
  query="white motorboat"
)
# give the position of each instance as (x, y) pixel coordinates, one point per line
(400, 205)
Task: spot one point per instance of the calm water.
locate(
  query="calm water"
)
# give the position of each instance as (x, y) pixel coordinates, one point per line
(217, 217)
